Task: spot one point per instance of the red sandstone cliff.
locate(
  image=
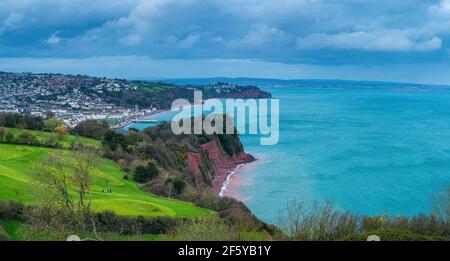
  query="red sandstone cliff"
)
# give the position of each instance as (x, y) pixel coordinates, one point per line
(222, 164)
(250, 93)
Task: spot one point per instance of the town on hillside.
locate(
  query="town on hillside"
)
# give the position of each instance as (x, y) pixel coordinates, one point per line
(76, 98)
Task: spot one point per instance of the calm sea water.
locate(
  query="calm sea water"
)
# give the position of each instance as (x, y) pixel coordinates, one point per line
(370, 151)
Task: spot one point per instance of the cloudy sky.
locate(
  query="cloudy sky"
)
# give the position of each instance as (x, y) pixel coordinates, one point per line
(387, 40)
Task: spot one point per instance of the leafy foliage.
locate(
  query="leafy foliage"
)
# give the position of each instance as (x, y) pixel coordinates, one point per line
(62, 131)
(51, 123)
(3, 235)
(144, 174)
(27, 137)
(209, 229)
(91, 129)
(114, 141)
(15, 120)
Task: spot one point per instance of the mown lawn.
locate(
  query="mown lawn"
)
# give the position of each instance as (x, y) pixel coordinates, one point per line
(16, 183)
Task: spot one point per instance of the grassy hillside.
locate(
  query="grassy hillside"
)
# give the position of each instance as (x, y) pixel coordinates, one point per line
(16, 183)
(65, 142)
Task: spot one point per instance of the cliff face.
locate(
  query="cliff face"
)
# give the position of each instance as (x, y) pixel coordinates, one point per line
(194, 162)
(202, 161)
(221, 164)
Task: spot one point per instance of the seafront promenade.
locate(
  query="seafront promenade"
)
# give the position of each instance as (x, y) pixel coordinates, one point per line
(137, 119)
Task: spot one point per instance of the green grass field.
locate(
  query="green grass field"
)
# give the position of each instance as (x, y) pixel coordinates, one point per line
(65, 142)
(16, 183)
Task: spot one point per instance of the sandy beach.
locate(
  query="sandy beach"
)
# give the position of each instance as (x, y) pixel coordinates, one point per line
(236, 180)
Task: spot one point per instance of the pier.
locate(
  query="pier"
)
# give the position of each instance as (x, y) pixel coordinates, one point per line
(144, 121)
(140, 119)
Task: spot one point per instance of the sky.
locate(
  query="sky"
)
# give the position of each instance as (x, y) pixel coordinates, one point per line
(385, 40)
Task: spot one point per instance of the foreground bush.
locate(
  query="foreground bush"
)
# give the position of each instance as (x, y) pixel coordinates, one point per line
(10, 210)
(38, 218)
(203, 229)
(109, 222)
(392, 235)
(318, 222)
(3, 235)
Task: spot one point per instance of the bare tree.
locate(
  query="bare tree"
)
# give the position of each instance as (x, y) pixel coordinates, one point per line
(440, 208)
(53, 180)
(64, 181)
(301, 221)
(83, 164)
(53, 185)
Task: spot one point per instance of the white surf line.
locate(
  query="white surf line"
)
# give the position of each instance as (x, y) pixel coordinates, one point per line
(228, 180)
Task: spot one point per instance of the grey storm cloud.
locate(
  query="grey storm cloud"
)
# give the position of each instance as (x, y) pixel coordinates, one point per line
(290, 31)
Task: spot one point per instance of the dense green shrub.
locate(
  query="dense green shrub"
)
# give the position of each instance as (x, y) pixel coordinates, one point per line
(51, 123)
(3, 132)
(11, 210)
(210, 200)
(231, 143)
(114, 140)
(110, 222)
(158, 225)
(91, 129)
(241, 219)
(175, 186)
(27, 138)
(9, 137)
(3, 235)
(21, 121)
(209, 229)
(144, 174)
(79, 146)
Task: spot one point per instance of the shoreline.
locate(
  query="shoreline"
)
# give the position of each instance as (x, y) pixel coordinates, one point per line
(130, 122)
(228, 180)
(233, 181)
(154, 114)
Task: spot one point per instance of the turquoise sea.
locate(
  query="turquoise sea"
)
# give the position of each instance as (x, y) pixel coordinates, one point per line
(369, 149)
